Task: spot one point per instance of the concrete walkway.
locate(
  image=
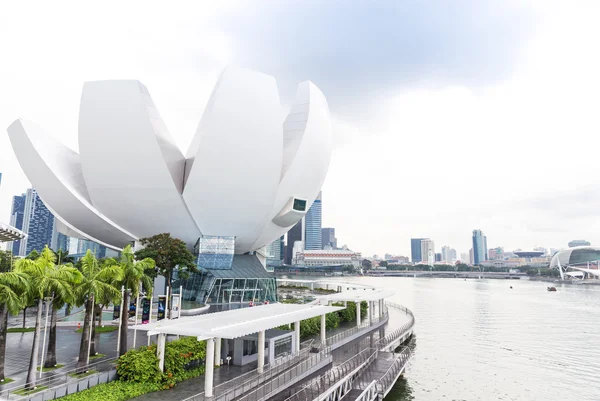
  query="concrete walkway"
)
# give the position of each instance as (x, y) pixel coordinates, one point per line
(195, 385)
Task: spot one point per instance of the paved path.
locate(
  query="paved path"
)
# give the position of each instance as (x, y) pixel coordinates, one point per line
(195, 385)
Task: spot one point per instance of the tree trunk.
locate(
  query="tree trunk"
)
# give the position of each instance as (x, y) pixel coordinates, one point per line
(3, 328)
(50, 361)
(100, 315)
(124, 322)
(68, 310)
(84, 345)
(30, 382)
(93, 337)
(24, 315)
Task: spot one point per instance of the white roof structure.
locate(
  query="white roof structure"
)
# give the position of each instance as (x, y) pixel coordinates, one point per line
(358, 295)
(244, 175)
(9, 233)
(237, 322)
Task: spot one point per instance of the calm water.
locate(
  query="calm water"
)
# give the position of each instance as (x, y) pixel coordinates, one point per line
(480, 340)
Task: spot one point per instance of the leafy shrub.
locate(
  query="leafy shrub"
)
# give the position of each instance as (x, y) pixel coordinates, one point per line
(113, 391)
(183, 360)
(140, 366)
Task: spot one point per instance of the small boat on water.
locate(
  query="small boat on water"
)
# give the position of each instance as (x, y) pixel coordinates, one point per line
(551, 288)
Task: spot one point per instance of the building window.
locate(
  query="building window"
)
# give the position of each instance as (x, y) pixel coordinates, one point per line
(283, 346)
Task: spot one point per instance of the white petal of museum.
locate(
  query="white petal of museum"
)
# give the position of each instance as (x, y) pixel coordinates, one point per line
(251, 172)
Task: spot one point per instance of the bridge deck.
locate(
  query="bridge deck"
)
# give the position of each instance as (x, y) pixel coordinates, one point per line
(378, 368)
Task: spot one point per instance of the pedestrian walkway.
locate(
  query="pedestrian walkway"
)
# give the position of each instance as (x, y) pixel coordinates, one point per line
(195, 385)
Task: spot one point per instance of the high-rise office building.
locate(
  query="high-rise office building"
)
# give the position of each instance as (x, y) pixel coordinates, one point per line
(428, 251)
(295, 234)
(480, 250)
(312, 226)
(579, 242)
(438, 257)
(38, 224)
(275, 252)
(415, 250)
(16, 219)
(448, 254)
(328, 238)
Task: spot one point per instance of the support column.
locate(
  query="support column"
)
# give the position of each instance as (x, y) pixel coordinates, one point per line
(323, 330)
(297, 335)
(261, 351)
(369, 310)
(357, 313)
(381, 305)
(210, 366)
(160, 349)
(217, 351)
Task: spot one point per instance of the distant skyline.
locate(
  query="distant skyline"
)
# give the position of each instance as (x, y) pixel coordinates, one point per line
(446, 116)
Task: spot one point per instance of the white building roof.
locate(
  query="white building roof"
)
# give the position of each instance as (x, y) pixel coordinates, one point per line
(9, 233)
(358, 295)
(238, 322)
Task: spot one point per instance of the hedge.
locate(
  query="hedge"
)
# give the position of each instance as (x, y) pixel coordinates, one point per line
(113, 391)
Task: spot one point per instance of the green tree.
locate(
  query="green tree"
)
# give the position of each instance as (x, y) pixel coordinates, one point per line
(46, 280)
(134, 276)
(98, 282)
(6, 261)
(12, 286)
(168, 253)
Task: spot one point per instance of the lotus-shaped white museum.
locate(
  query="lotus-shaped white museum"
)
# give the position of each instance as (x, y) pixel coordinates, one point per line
(251, 172)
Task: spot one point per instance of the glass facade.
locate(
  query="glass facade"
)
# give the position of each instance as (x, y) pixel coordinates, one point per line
(215, 252)
(582, 256)
(38, 224)
(312, 226)
(16, 219)
(415, 250)
(246, 281)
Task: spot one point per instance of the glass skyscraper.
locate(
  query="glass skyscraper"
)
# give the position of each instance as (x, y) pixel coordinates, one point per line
(415, 250)
(38, 224)
(295, 234)
(328, 237)
(312, 226)
(480, 251)
(16, 219)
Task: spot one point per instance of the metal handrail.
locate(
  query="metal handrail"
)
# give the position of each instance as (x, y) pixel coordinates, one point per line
(398, 333)
(324, 384)
(370, 393)
(347, 333)
(389, 376)
(57, 379)
(282, 379)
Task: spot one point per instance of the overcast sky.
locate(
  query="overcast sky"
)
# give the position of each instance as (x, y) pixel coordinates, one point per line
(448, 115)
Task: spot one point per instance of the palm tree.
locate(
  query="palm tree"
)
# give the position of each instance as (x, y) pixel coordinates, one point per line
(12, 286)
(133, 276)
(98, 283)
(46, 280)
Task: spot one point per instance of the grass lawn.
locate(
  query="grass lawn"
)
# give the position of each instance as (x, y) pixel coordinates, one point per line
(103, 329)
(27, 392)
(6, 381)
(97, 356)
(58, 366)
(84, 374)
(20, 329)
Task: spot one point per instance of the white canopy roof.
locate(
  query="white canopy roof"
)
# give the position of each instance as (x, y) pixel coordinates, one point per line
(237, 322)
(9, 233)
(358, 295)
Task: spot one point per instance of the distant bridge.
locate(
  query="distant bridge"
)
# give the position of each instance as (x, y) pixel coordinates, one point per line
(451, 273)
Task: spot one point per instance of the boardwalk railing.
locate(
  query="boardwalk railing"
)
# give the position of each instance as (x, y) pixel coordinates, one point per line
(389, 378)
(354, 330)
(370, 393)
(282, 379)
(398, 333)
(325, 386)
